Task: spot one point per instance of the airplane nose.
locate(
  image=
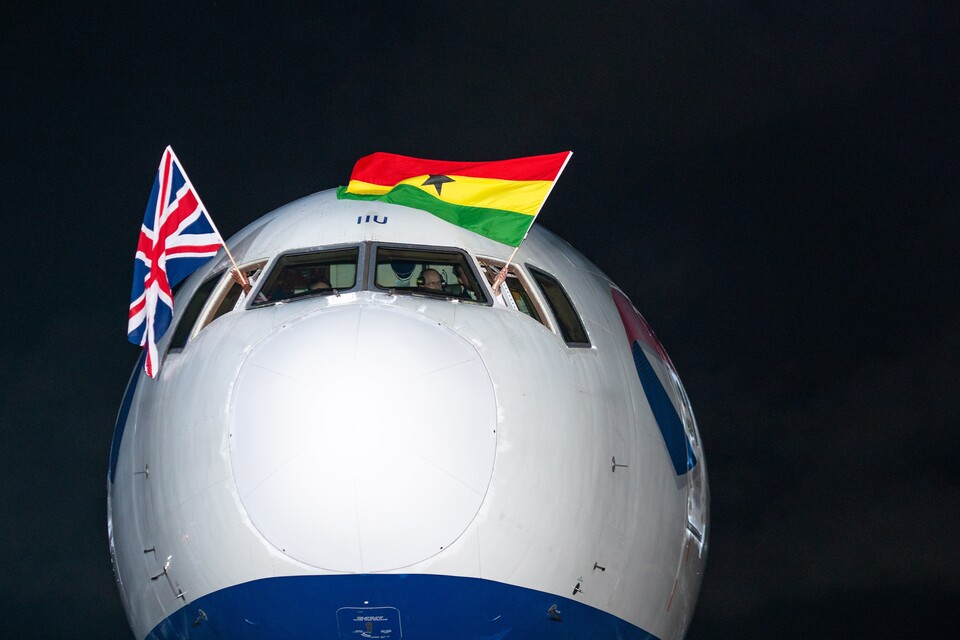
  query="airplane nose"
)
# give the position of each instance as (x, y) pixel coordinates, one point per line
(362, 437)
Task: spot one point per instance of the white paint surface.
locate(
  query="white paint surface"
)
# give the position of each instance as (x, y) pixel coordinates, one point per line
(362, 437)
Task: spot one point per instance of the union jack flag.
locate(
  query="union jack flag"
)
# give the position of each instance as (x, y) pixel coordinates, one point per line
(176, 238)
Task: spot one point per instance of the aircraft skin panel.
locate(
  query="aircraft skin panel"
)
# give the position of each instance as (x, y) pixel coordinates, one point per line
(367, 442)
(421, 606)
(404, 482)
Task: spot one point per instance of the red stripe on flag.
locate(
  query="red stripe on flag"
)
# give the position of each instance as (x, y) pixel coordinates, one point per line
(194, 248)
(185, 207)
(137, 308)
(389, 168)
(157, 247)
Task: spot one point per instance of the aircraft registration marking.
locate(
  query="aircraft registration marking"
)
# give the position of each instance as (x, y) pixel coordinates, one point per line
(375, 623)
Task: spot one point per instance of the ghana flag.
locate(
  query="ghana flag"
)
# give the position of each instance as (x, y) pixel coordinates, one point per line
(499, 200)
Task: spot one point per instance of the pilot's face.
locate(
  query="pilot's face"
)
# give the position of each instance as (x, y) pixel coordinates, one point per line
(431, 280)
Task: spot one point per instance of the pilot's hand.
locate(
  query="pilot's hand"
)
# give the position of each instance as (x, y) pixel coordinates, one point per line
(241, 279)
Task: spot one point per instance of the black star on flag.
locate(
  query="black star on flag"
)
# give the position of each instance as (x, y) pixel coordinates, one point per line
(437, 181)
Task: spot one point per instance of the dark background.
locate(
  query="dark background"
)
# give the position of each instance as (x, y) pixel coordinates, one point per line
(775, 185)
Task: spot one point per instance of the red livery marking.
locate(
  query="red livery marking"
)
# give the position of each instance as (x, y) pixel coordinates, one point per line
(637, 327)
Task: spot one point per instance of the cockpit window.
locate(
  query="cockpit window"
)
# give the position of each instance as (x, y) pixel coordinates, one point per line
(192, 311)
(218, 295)
(308, 274)
(571, 328)
(428, 272)
(515, 294)
(232, 294)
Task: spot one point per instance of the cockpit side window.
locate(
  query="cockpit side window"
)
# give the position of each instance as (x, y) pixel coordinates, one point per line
(232, 294)
(516, 294)
(429, 272)
(317, 273)
(192, 311)
(217, 295)
(571, 327)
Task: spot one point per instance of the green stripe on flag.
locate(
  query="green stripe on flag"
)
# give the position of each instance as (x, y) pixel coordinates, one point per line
(503, 226)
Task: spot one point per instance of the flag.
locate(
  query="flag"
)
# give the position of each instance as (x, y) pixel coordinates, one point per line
(499, 200)
(177, 237)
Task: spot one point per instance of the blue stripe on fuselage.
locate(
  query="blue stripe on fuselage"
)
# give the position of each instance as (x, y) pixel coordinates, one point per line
(389, 607)
(671, 426)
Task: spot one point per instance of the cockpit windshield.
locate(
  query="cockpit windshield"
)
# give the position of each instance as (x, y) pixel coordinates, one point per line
(428, 272)
(306, 274)
(443, 273)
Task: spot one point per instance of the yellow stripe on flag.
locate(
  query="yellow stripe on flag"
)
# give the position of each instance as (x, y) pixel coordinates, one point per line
(520, 196)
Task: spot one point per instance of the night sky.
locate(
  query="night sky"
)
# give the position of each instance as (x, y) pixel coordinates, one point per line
(776, 187)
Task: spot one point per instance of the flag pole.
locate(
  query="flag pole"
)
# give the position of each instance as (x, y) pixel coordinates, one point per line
(240, 277)
(502, 275)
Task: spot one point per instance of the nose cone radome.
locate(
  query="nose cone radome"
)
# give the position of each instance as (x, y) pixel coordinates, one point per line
(362, 437)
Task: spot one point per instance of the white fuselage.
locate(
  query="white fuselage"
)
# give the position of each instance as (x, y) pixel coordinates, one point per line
(373, 464)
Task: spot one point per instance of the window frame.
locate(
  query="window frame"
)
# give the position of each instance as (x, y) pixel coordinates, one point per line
(208, 313)
(533, 293)
(468, 261)
(534, 272)
(179, 339)
(275, 263)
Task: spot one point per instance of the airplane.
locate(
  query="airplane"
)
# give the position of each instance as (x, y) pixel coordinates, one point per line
(371, 442)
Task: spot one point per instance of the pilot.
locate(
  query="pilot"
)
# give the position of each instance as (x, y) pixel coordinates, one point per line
(291, 281)
(319, 279)
(465, 289)
(320, 285)
(432, 279)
